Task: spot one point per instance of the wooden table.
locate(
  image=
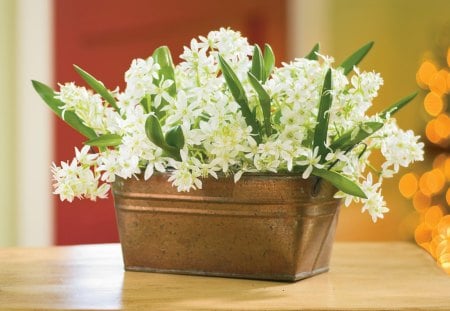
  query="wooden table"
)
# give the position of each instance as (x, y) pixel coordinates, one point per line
(363, 276)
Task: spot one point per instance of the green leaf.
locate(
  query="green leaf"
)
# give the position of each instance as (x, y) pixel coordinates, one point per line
(106, 140)
(175, 138)
(77, 124)
(238, 92)
(341, 182)
(163, 57)
(97, 86)
(312, 54)
(398, 105)
(146, 104)
(349, 139)
(258, 64)
(269, 61)
(356, 58)
(48, 95)
(323, 116)
(154, 133)
(264, 101)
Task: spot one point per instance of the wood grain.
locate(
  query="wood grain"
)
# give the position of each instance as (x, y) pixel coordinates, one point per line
(363, 276)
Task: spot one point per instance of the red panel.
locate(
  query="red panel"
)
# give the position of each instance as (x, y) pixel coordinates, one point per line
(103, 36)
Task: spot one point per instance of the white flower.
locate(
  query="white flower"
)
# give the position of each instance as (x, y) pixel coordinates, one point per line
(184, 176)
(89, 107)
(161, 92)
(84, 157)
(374, 204)
(139, 80)
(311, 160)
(73, 180)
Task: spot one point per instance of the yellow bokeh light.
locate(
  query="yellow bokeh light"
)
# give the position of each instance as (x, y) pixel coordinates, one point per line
(433, 104)
(408, 185)
(443, 227)
(444, 262)
(442, 248)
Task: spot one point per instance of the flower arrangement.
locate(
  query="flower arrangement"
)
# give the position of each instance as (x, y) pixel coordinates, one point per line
(225, 109)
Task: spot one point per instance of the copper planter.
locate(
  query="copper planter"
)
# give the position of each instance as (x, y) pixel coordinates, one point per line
(266, 226)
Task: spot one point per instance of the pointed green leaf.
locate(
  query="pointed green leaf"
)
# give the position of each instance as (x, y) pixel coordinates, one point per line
(77, 124)
(48, 95)
(106, 140)
(154, 133)
(269, 61)
(323, 116)
(163, 57)
(312, 54)
(355, 135)
(398, 105)
(97, 86)
(341, 182)
(264, 101)
(175, 138)
(235, 86)
(355, 58)
(238, 92)
(258, 64)
(146, 104)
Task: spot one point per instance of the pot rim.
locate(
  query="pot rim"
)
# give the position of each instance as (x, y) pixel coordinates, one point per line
(221, 175)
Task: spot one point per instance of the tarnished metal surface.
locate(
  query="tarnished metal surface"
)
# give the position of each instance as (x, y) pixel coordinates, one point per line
(266, 226)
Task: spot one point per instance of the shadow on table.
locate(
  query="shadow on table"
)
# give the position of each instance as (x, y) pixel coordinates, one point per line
(174, 292)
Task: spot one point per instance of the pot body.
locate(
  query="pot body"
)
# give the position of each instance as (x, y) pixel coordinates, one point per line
(266, 226)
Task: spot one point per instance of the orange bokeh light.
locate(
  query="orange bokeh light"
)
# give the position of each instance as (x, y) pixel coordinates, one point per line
(433, 104)
(431, 133)
(433, 233)
(448, 57)
(426, 71)
(421, 201)
(432, 182)
(447, 196)
(436, 181)
(443, 227)
(408, 185)
(439, 161)
(433, 215)
(422, 234)
(447, 169)
(443, 125)
(438, 82)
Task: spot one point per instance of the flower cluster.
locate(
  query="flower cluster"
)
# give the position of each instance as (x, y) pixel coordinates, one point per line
(225, 109)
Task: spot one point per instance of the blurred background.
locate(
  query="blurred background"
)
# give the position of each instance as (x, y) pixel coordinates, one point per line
(42, 39)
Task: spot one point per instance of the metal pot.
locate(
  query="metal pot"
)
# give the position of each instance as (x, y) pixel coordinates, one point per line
(266, 226)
